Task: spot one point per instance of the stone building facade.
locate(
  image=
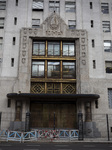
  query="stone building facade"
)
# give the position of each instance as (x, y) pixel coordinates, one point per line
(55, 56)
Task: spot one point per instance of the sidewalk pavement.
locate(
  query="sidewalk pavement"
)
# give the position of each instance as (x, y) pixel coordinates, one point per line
(63, 140)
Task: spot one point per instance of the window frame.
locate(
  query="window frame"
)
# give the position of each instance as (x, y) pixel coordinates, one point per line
(53, 50)
(74, 75)
(109, 47)
(37, 69)
(59, 71)
(39, 49)
(106, 26)
(2, 5)
(35, 23)
(54, 8)
(110, 98)
(2, 22)
(70, 8)
(38, 8)
(108, 67)
(68, 43)
(105, 8)
(72, 25)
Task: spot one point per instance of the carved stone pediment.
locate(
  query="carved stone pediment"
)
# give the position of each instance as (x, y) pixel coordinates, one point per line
(54, 25)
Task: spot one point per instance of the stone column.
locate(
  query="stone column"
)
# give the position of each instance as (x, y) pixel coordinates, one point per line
(18, 111)
(88, 117)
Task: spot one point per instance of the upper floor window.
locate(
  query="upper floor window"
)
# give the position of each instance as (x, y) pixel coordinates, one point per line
(105, 8)
(2, 5)
(39, 48)
(72, 24)
(91, 5)
(106, 26)
(1, 42)
(107, 45)
(53, 69)
(16, 2)
(54, 6)
(1, 23)
(37, 68)
(35, 23)
(108, 65)
(53, 48)
(38, 5)
(68, 49)
(110, 97)
(70, 6)
(92, 24)
(68, 69)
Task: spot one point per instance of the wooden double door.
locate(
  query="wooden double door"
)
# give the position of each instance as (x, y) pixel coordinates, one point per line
(45, 115)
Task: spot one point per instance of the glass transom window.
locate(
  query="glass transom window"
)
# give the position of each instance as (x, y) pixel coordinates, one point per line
(68, 49)
(68, 69)
(37, 68)
(39, 48)
(54, 69)
(53, 48)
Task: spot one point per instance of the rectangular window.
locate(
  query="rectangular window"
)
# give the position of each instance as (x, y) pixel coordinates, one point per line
(1, 42)
(105, 8)
(93, 43)
(91, 5)
(92, 24)
(39, 48)
(54, 6)
(108, 66)
(69, 70)
(68, 49)
(38, 69)
(53, 48)
(107, 45)
(2, 5)
(1, 23)
(37, 5)
(14, 41)
(110, 97)
(12, 62)
(16, 2)
(15, 21)
(96, 103)
(106, 26)
(94, 64)
(70, 6)
(9, 103)
(53, 69)
(72, 24)
(35, 23)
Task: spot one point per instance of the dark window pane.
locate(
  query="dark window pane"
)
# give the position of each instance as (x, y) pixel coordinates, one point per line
(38, 69)
(68, 49)
(68, 69)
(54, 69)
(39, 48)
(53, 48)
